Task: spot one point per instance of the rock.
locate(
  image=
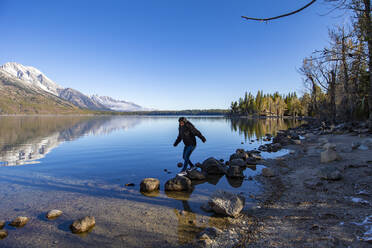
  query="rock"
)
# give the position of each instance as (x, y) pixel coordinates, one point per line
(237, 162)
(367, 142)
(239, 155)
(179, 183)
(2, 224)
(213, 166)
(130, 185)
(297, 142)
(205, 207)
(330, 173)
(252, 166)
(283, 139)
(212, 232)
(255, 156)
(221, 160)
(19, 221)
(355, 145)
(196, 175)
(226, 203)
(312, 183)
(329, 146)
(205, 240)
(180, 165)
(251, 161)
(3, 234)
(149, 185)
(235, 172)
(52, 214)
(83, 225)
(197, 165)
(329, 156)
(363, 147)
(266, 172)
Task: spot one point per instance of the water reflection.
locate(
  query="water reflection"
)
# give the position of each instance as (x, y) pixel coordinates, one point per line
(258, 128)
(25, 140)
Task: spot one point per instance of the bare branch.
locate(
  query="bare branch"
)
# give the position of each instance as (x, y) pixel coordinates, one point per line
(277, 17)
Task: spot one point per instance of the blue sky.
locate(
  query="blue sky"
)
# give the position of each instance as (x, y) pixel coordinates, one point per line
(165, 54)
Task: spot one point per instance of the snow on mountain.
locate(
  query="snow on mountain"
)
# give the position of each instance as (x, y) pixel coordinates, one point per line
(81, 100)
(31, 76)
(117, 105)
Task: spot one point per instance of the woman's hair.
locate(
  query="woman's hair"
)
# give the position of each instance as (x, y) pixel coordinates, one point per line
(182, 119)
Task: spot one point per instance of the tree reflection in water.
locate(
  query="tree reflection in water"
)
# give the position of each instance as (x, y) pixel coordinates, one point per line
(258, 128)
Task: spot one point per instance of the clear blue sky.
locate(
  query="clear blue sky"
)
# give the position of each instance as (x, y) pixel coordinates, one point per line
(164, 54)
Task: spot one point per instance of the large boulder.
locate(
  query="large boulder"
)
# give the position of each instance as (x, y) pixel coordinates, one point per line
(235, 172)
(226, 203)
(149, 185)
(213, 166)
(83, 225)
(196, 175)
(179, 183)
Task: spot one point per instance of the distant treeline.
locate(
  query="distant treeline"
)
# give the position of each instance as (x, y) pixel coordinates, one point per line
(271, 105)
(170, 112)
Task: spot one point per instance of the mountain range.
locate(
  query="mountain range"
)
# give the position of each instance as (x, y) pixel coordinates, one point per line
(25, 89)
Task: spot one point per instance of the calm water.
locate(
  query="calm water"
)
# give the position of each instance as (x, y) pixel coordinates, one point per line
(96, 156)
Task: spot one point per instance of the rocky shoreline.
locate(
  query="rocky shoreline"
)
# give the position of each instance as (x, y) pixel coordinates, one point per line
(319, 195)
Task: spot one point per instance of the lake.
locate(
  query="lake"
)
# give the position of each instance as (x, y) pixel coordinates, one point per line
(80, 165)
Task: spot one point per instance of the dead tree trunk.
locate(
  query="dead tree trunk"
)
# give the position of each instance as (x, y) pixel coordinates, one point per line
(367, 13)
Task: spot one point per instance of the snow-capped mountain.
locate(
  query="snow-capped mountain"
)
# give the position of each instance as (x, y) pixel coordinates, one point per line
(32, 77)
(81, 100)
(116, 105)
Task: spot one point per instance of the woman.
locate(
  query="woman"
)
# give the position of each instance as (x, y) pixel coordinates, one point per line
(187, 133)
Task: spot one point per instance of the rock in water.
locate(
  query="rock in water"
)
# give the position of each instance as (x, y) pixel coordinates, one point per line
(149, 185)
(83, 225)
(238, 162)
(3, 234)
(52, 214)
(196, 175)
(235, 172)
(266, 172)
(213, 166)
(329, 156)
(226, 203)
(19, 221)
(179, 183)
(2, 224)
(180, 165)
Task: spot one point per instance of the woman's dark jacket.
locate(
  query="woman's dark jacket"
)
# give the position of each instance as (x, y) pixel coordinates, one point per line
(187, 134)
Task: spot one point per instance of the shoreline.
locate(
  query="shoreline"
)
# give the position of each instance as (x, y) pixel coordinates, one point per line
(304, 205)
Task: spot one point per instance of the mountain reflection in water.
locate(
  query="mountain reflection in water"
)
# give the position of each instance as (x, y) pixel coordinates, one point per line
(26, 140)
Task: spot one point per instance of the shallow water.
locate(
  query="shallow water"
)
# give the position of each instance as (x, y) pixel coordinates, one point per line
(80, 165)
